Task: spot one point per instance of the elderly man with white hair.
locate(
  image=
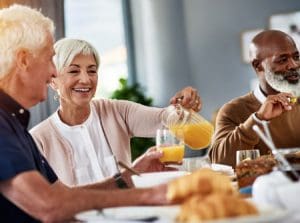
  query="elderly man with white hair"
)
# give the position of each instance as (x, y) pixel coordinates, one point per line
(275, 60)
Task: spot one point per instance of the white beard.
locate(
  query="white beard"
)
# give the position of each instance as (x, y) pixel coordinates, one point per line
(278, 83)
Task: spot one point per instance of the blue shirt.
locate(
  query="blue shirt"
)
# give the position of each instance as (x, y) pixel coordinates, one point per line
(18, 153)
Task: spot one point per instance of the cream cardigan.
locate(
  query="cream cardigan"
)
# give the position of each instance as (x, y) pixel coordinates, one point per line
(120, 121)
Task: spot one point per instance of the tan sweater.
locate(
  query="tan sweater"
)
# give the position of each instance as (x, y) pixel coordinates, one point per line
(234, 130)
(120, 121)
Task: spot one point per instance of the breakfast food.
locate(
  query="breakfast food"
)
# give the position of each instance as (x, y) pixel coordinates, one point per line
(207, 195)
(215, 206)
(202, 182)
(293, 158)
(248, 170)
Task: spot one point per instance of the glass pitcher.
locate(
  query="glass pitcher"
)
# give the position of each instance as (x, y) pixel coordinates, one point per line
(197, 131)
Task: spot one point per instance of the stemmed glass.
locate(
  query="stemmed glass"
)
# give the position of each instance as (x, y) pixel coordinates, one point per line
(250, 154)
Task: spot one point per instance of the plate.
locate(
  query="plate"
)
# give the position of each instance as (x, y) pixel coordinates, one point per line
(156, 178)
(142, 212)
(266, 214)
(169, 213)
(131, 213)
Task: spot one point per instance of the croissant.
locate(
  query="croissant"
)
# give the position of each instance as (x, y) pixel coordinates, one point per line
(202, 182)
(215, 206)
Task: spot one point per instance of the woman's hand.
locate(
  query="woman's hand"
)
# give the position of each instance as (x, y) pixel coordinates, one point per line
(149, 162)
(188, 97)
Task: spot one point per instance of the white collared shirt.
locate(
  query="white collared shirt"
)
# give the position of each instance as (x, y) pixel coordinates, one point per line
(261, 98)
(93, 159)
(259, 94)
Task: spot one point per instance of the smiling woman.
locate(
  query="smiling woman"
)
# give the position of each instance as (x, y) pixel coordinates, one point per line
(83, 137)
(76, 86)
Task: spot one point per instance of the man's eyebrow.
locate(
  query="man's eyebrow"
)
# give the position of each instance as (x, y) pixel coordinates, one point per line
(287, 54)
(281, 55)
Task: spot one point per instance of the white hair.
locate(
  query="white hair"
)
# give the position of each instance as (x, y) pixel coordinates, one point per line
(277, 82)
(66, 49)
(21, 28)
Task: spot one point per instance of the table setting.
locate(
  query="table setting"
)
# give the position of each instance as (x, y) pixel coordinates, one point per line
(197, 185)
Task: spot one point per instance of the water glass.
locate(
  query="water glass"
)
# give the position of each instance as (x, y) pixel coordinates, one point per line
(194, 163)
(250, 154)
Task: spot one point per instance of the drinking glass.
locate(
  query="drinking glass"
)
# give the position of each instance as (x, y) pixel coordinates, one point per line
(170, 144)
(250, 154)
(192, 164)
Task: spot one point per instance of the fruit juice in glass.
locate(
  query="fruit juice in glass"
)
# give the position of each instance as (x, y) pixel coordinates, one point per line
(196, 135)
(173, 153)
(171, 146)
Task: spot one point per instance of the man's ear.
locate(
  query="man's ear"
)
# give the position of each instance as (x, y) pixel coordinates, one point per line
(256, 64)
(22, 59)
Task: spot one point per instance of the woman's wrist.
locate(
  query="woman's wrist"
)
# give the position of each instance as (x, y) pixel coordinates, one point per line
(126, 175)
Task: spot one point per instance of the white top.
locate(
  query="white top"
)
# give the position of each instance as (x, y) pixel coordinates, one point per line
(93, 158)
(261, 98)
(259, 95)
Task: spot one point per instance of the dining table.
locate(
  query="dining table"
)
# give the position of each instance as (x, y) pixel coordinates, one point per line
(274, 215)
(275, 196)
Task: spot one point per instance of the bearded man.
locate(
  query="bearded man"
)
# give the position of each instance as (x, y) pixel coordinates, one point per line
(275, 59)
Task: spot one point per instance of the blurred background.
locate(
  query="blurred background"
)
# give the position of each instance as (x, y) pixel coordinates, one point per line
(164, 45)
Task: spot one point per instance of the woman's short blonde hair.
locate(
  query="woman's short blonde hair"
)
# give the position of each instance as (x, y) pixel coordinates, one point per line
(21, 28)
(66, 49)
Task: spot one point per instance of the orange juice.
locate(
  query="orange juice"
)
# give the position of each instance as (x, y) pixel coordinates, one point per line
(196, 135)
(172, 153)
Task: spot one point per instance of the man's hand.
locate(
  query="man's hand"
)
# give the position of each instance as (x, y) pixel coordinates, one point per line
(274, 106)
(188, 97)
(149, 162)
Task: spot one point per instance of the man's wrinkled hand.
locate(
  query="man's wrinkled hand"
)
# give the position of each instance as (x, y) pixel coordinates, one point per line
(274, 106)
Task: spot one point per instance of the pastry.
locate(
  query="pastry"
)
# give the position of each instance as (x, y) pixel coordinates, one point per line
(203, 182)
(248, 170)
(215, 206)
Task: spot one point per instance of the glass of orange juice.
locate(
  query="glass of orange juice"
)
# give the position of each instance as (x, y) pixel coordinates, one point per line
(171, 146)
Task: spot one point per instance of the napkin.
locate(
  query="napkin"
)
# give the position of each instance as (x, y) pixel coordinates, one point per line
(277, 190)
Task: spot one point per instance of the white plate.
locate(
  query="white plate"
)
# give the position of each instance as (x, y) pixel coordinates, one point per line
(169, 213)
(140, 212)
(131, 213)
(267, 215)
(156, 178)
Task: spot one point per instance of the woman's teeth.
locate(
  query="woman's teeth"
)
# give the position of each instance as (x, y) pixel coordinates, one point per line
(82, 89)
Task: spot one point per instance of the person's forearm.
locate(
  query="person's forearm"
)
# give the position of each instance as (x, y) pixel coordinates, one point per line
(228, 139)
(78, 199)
(106, 184)
(110, 183)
